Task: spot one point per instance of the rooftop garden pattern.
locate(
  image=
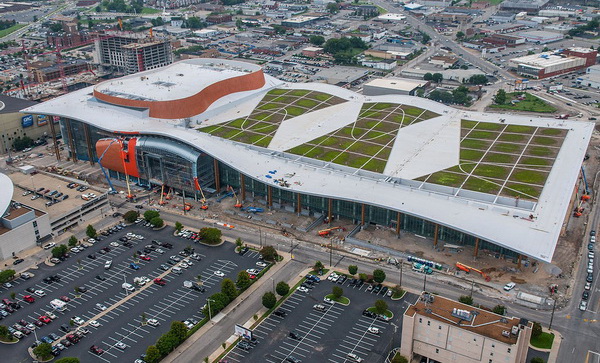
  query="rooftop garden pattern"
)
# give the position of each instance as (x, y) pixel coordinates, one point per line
(367, 142)
(277, 105)
(500, 159)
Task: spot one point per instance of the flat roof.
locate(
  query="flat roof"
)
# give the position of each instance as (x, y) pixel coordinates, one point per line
(403, 84)
(176, 81)
(484, 322)
(543, 60)
(429, 146)
(6, 186)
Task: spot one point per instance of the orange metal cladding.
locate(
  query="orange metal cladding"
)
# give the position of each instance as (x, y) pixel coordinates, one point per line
(192, 105)
(116, 159)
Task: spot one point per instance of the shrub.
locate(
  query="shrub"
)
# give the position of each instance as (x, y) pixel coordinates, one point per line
(379, 276)
(537, 360)
(399, 359)
(6, 275)
(318, 266)
(536, 331)
(59, 251)
(363, 277)
(499, 309)
(68, 360)
(269, 300)
(352, 269)
(131, 216)
(157, 222)
(243, 280)
(337, 292)
(282, 288)
(149, 214)
(43, 351)
(72, 241)
(152, 354)
(228, 289)
(210, 235)
(178, 226)
(179, 331)
(466, 299)
(91, 231)
(268, 253)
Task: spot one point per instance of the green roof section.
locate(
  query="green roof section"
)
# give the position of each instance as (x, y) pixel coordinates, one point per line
(277, 105)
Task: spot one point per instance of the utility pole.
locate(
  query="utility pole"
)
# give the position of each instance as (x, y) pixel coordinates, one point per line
(260, 236)
(472, 283)
(401, 267)
(184, 211)
(330, 253)
(424, 282)
(552, 316)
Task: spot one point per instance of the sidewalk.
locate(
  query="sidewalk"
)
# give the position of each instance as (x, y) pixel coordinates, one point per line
(553, 357)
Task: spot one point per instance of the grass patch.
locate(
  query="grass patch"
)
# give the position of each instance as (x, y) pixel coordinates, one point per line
(380, 106)
(499, 158)
(387, 313)
(543, 341)
(474, 144)
(530, 104)
(447, 178)
(370, 114)
(539, 151)
(300, 149)
(277, 91)
(294, 111)
(321, 96)
(488, 126)
(342, 300)
(551, 132)
(466, 124)
(521, 191)
(519, 129)
(209, 129)
(150, 11)
(544, 140)
(471, 154)
(535, 161)
(268, 106)
(10, 30)
(306, 103)
(512, 137)
(482, 135)
(491, 171)
(480, 185)
(413, 111)
(506, 148)
(376, 165)
(299, 92)
(529, 176)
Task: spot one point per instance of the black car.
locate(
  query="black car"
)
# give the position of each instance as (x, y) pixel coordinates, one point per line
(384, 290)
(342, 279)
(82, 289)
(100, 277)
(18, 261)
(128, 244)
(123, 239)
(589, 278)
(48, 280)
(65, 328)
(243, 251)
(360, 283)
(55, 278)
(92, 256)
(586, 295)
(167, 245)
(369, 314)
(292, 359)
(294, 335)
(280, 313)
(244, 345)
(376, 289)
(592, 232)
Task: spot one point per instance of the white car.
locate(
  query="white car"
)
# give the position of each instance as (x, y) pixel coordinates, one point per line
(114, 244)
(332, 276)
(588, 285)
(509, 286)
(302, 289)
(219, 273)
(158, 250)
(130, 235)
(49, 245)
(252, 271)
(139, 236)
(74, 249)
(184, 265)
(51, 315)
(328, 300)
(583, 305)
(590, 269)
(121, 345)
(77, 320)
(153, 322)
(94, 323)
(100, 307)
(261, 264)
(40, 293)
(591, 254)
(373, 330)
(91, 240)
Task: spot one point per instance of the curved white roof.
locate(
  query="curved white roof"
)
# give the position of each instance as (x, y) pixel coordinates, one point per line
(422, 148)
(6, 186)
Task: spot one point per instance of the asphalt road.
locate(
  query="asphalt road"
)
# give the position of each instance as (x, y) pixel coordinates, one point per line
(123, 323)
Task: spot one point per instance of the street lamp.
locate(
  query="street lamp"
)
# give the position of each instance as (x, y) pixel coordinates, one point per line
(401, 267)
(273, 281)
(209, 312)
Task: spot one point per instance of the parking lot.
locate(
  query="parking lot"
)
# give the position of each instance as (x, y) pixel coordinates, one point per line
(119, 331)
(305, 334)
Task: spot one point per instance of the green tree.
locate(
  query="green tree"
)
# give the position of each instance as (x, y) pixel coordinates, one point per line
(228, 288)
(460, 95)
(22, 143)
(157, 222)
(536, 331)
(59, 251)
(35, 18)
(210, 235)
(268, 253)
(90, 231)
(428, 76)
(466, 299)
(4, 333)
(546, 49)
(363, 277)
(73, 241)
(43, 351)
(352, 269)
(337, 292)
(537, 360)
(178, 226)
(478, 79)
(149, 214)
(68, 360)
(195, 23)
(460, 35)
(269, 300)
(13, 295)
(500, 97)
(152, 354)
(381, 306)
(379, 276)
(530, 52)
(166, 343)
(425, 38)
(243, 280)
(437, 77)
(333, 8)
(499, 309)
(55, 27)
(239, 242)
(282, 288)
(131, 216)
(399, 359)
(6, 275)
(317, 40)
(318, 266)
(179, 331)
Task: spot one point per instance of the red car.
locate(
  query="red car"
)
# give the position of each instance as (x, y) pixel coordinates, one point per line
(28, 298)
(45, 319)
(96, 350)
(64, 298)
(160, 281)
(145, 258)
(252, 277)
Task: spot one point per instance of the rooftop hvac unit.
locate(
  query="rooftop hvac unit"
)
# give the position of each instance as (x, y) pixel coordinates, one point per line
(514, 330)
(505, 333)
(461, 314)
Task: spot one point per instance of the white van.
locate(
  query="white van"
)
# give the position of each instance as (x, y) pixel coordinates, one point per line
(177, 270)
(107, 264)
(128, 287)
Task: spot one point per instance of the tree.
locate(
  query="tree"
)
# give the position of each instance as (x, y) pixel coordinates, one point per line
(318, 266)
(437, 77)
(73, 241)
(478, 79)
(499, 309)
(337, 292)
(59, 251)
(157, 222)
(352, 269)
(149, 214)
(90, 231)
(399, 359)
(239, 242)
(381, 306)
(460, 35)
(530, 52)
(22, 143)
(43, 351)
(178, 226)
(166, 343)
(243, 280)
(333, 8)
(500, 97)
(195, 23)
(317, 40)
(55, 27)
(6, 275)
(210, 235)
(546, 49)
(379, 276)
(426, 38)
(69, 360)
(269, 300)
(536, 331)
(282, 288)
(131, 216)
(428, 76)
(13, 295)
(268, 253)
(537, 360)
(179, 331)
(35, 18)
(466, 299)
(460, 95)
(152, 354)
(363, 277)
(228, 288)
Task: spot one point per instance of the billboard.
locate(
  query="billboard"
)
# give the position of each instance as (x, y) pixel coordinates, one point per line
(27, 121)
(42, 120)
(56, 119)
(243, 332)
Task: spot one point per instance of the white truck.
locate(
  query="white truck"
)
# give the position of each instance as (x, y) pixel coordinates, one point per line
(141, 281)
(58, 305)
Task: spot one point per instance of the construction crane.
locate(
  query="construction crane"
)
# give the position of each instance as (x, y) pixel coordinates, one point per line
(466, 268)
(204, 206)
(112, 188)
(169, 196)
(237, 204)
(161, 201)
(327, 231)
